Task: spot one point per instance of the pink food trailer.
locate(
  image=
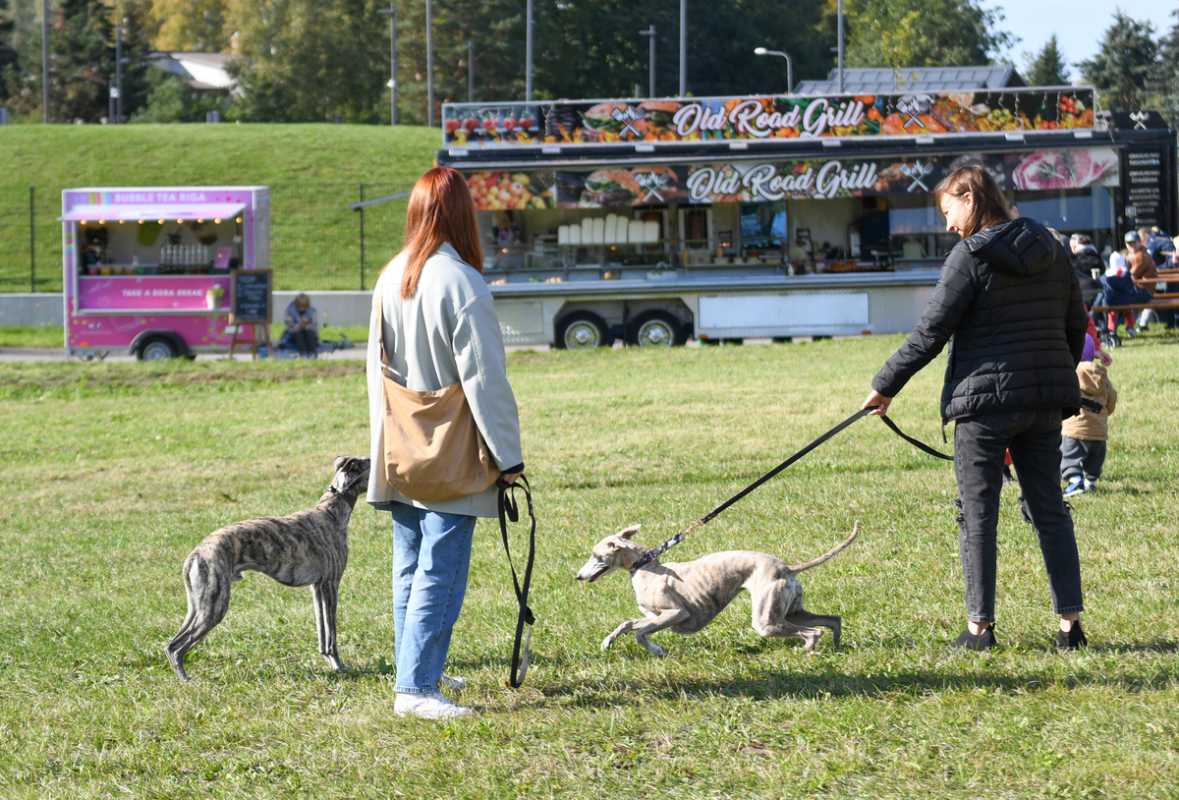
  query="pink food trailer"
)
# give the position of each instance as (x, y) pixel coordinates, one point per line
(149, 269)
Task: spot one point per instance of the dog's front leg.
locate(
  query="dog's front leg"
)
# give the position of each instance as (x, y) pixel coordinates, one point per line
(621, 629)
(646, 627)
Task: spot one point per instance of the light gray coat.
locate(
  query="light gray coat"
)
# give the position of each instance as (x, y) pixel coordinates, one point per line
(447, 332)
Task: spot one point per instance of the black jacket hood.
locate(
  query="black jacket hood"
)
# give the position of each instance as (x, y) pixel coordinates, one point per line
(1022, 247)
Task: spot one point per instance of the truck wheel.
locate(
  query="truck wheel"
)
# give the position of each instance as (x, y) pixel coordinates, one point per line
(583, 330)
(655, 329)
(157, 349)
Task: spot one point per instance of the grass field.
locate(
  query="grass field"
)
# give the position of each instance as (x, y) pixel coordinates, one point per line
(115, 471)
(314, 171)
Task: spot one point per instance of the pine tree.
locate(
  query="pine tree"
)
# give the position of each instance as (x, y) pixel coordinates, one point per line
(8, 54)
(1048, 68)
(1124, 63)
(1164, 82)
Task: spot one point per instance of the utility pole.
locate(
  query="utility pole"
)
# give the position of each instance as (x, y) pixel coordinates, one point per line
(429, 64)
(470, 72)
(684, 48)
(839, 13)
(392, 12)
(119, 71)
(45, 57)
(651, 60)
(528, 53)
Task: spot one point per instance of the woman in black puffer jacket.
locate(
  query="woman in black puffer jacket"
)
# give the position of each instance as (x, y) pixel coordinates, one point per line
(1009, 304)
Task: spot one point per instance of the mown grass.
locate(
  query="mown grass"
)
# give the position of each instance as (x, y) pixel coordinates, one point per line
(113, 472)
(32, 336)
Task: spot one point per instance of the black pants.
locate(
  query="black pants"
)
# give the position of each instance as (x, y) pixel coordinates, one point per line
(1033, 437)
(1081, 458)
(306, 342)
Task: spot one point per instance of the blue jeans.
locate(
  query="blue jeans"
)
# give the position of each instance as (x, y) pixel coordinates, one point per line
(431, 561)
(1033, 436)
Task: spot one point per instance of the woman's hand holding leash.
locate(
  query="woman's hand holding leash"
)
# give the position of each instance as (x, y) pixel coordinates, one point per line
(879, 401)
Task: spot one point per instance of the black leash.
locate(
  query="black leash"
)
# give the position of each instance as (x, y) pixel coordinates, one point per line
(711, 515)
(510, 510)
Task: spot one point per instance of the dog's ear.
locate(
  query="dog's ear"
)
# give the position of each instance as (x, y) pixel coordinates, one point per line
(626, 533)
(339, 462)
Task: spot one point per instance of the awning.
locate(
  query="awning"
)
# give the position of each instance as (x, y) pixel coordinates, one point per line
(164, 211)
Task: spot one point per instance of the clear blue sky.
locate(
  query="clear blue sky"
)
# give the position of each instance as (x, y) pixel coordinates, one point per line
(1079, 25)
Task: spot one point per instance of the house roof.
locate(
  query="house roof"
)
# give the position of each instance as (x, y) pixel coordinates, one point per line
(204, 71)
(879, 80)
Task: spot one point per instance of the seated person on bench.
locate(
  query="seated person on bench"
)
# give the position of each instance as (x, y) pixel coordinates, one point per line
(302, 326)
(1119, 290)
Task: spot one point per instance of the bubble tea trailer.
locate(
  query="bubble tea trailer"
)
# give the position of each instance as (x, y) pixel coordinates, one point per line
(150, 269)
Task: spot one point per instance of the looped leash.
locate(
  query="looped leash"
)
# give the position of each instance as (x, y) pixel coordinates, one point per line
(509, 509)
(651, 555)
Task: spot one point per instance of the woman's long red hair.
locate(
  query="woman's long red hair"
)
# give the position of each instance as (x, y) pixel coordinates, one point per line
(440, 210)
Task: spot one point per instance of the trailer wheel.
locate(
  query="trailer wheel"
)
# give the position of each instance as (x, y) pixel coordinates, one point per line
(655, 329)
(157, 349)
(583, 330)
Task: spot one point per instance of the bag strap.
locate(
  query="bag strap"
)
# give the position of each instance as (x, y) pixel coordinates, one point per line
(509, 510)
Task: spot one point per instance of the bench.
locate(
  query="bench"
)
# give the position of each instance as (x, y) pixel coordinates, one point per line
(1110, 338)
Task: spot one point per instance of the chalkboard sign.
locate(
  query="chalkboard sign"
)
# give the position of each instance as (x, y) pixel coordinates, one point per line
(250, 293)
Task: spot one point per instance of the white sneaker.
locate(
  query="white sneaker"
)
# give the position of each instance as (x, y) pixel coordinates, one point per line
(429, 706)
(1090, 485)
(454, 683)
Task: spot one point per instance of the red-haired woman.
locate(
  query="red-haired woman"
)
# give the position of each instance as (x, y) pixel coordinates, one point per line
(435, 318)
(1009, 304)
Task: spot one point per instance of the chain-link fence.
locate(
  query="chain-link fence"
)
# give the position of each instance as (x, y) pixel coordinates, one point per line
(317, 241)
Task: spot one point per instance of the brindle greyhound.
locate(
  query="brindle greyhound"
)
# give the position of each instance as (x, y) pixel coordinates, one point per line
(686, 597)
(307, 547)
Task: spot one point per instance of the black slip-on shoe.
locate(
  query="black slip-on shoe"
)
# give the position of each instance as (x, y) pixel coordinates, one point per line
(970, 641)
(1073, 639)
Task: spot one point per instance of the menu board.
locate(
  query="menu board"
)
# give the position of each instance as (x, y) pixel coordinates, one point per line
(250, 290)
(684, 119)
(1146, 191)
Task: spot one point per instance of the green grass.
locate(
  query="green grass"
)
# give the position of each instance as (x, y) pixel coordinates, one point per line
(314, 172)
(115, 471)
(32, 336)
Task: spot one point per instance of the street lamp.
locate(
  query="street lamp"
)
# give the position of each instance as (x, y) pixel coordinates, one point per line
(528, 53)
(651, 82)
(430, 64)
(684, 48)
(392, 12)
(119, 71)
(45, 57)
(470, 72)
(761, 51)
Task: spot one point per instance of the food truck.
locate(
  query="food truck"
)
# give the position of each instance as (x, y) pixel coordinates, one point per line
(150, 269)
(772, 216)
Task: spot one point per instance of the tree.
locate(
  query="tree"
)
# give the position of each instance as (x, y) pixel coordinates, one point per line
(1124, 63)
(921, 33)
(1048, 68)
(191, 25)
(1164, 83)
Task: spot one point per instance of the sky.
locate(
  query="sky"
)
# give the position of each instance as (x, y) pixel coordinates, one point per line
(1079, 25)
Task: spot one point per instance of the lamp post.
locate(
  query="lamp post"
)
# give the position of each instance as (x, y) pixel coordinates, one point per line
(119, 71)
(392, 12)
(470, 72)
(429, 65)
(761, 51)
(683, 48)
(528, 53)
(839, 13)
(651, 60)
(45, 57)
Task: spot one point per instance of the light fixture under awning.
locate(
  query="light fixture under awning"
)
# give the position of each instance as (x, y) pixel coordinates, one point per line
(179, 211)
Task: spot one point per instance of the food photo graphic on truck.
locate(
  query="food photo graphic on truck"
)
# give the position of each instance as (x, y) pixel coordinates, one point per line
(726, 218)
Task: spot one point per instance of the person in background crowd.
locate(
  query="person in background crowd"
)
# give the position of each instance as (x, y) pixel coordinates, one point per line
(1119, 290)
(1142, 267)
(1083, 437)
(1161, 248)
(1005, 389)
(1088, 266)
(302, 326)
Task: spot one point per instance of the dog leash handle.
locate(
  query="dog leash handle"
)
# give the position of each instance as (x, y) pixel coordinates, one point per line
(509, 510)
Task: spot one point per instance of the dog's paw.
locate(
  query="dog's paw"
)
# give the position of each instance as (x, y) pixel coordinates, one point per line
(609, 640)
(656, 650)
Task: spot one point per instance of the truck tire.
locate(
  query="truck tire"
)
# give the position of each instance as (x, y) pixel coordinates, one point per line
(158, 348)
(583, 330)
(655, 329)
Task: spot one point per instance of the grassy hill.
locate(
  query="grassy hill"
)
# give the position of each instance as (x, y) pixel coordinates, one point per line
(314, 172)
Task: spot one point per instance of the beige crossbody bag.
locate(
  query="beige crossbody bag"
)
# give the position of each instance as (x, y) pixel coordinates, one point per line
(433, 450)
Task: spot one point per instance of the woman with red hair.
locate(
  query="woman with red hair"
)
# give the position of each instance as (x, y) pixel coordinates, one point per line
(434, 329)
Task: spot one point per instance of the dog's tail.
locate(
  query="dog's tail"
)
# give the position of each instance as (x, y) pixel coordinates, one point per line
(830, 553)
